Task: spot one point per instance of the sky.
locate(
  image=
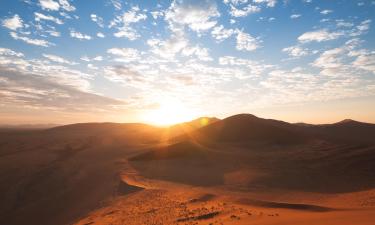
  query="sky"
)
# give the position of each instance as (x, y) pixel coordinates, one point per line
(69, 61)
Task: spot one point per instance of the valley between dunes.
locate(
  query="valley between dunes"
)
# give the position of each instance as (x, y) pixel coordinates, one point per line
(239, 170)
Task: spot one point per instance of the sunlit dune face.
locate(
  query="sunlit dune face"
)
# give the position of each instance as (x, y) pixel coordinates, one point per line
(169, 112)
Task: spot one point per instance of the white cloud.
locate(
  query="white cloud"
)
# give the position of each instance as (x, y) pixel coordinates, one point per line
(40, 16)
(254, 68)
(246, 42)
(157, 14)
(55, 6)
(330, 59)
(365, 62)
(201, 53)
(326, 11)
(98, 58)
(126, 76)
(168, 48)
(235, 2)
(133, 16)
(97, 19)
(79, 35)
(244, 11)
(296, 51)
(270, 3)
(124, 22)
(49, 5)
(116, 4)
(100, 34)
(58, 59)
(124, 54)
(66, 5)
(295, 16)
(53, 33)
(220, 33)
(10, 52)
(319, 36)
(13, 23)
(198, 16)
(128, 32)
(31, 41)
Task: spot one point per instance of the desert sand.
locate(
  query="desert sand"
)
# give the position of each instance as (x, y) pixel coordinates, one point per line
(239, 170)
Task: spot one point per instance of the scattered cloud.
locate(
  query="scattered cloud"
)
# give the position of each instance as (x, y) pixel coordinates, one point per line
(296, 51)
(78, 35)
(31, 41)
(124, 54)
(49, 5)
(58, 59)
(40, 16)
(326, 11)
(123, 23)
(246, 42)
(245, 11)
(52, 5)
(13, 23)
(295, 16)
(319, 36)
(220, 33)
(100, 34)
(269, 3)
(97, 19)
(198, 16)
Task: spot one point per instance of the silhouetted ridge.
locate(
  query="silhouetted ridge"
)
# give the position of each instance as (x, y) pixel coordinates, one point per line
(249, 128)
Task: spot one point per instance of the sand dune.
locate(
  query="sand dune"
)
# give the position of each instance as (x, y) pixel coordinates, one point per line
(239, 170)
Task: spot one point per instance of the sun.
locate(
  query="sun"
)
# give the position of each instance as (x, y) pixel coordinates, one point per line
(170, 111)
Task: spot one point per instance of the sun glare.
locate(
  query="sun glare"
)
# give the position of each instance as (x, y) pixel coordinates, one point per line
(169, 112)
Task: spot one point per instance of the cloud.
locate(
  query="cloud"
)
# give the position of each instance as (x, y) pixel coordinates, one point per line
(252, 67)
(168, 48)
(58, 59)
(126, 76)
(97, 19)
(123, 23)
(319, 36)
(330, 59)
(31, 90)
(55, 6)
(117, 4)
(157, 14)
(236, 12)
(296, 51)
(38, 42)
(49, 5)
(198, 16)
(365, 62)
(220, 33)
(13, 23)
(79, 35)
(40, 16)
(326, 11)
(270, 3)
(295, 16)
(124, 54)
(53, 33)
(246, 42)
(100, 34)
(66, 5)
(10, 52)
(201, 53)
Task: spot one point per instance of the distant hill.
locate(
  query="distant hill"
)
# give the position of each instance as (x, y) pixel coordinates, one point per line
(346, 130)
(249, 128)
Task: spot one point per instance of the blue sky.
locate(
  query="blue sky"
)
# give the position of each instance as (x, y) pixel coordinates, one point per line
(65, 61)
